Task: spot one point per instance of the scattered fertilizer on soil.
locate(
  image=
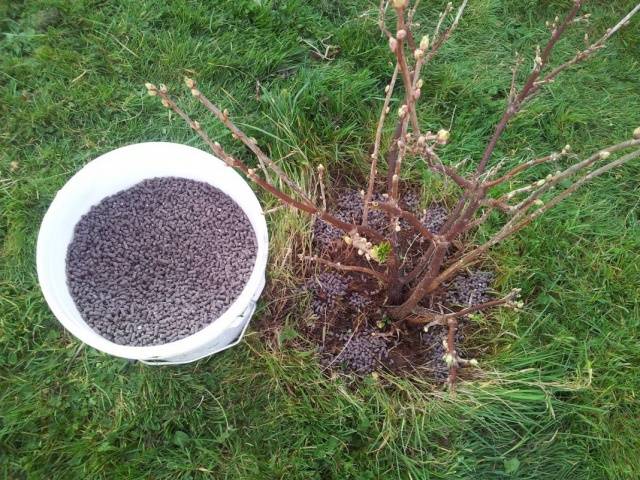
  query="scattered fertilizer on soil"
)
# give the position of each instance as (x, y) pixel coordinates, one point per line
(349, 209)
(361, 352)
(342, 300)
(435, 217)
(159, 261)
(327, 290)
(470, 289)
(358, 301)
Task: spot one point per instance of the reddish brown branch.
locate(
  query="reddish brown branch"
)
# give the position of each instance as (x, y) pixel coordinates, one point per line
(397, 212)
(263, 158)
(435, 163)
(524, 166)
(587, 52)
(424, 316)
(514, 106)
(398, 49)
(346, 268)
(216, 148)
(523, 219)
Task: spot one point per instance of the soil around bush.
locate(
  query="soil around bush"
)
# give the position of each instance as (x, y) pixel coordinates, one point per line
(348, 326)
(159, 261)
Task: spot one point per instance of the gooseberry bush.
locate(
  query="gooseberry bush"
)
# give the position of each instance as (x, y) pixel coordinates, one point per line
(446, 251)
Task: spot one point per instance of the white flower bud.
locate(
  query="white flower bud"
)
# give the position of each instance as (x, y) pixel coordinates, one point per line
(360, 252)
(636, 133)
(448, 359)
(402, 111)
(195, 125)
(420, 83)
(151, 89)
(604, 154)
(165, 103)
(401, 35)
(416, 93)
(443, 136)
(540, 183)
(566, 149)
(424, 42)
(538, 202)
(321, 168)
(163, 88)
(418, 53)
(387, 88)
(195, 92)
(393, 44)
(190, 83)
(538, 59)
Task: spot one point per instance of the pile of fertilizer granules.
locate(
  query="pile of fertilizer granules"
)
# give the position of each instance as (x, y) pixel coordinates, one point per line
(159, 261)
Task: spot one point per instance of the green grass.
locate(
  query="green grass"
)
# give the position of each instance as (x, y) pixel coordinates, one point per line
(559, 394)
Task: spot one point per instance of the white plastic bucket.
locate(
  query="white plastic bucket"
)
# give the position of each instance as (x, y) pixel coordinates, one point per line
(121, 169)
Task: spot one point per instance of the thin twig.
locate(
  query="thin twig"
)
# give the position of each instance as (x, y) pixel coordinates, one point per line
(524, 166)
(263, 159)
(396, 212)
(590, 50)
(376, 147)
(515, 104)
(401, 33)
(440, 40)
(520, 222)
(305, 205)
(424, 316)
(321, 182)
(345, 268)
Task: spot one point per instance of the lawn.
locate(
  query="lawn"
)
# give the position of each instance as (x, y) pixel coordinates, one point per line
(558, 393)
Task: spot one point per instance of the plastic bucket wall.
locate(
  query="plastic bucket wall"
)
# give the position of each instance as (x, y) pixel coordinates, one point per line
(121, 169)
